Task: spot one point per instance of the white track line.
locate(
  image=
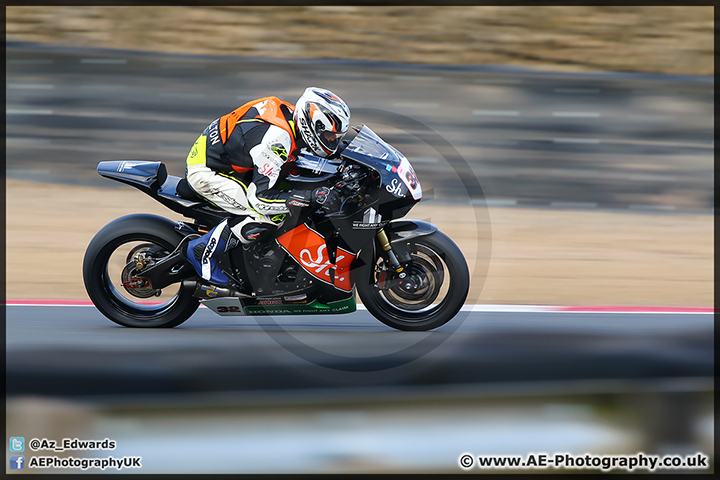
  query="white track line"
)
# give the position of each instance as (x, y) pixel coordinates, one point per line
(30, 62)
(104, 61)
(465, 308)
(661, 208)
(576, 114)
(593, 141)
(31, 86)
(500, 202)
(21, 111)
(574, 204)
(496, 113)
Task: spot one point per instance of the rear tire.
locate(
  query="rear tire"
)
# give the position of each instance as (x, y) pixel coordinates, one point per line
(105, 287)
(440, 262)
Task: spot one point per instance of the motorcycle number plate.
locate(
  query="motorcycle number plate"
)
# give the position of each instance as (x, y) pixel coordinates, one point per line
(407, 175)
(225, 306)
(310, 250)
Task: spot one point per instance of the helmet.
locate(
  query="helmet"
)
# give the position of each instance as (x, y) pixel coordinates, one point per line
(323, 119)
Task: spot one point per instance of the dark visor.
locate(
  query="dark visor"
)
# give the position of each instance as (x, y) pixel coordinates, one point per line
(331, 139)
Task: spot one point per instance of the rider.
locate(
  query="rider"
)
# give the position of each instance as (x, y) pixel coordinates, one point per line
(237, 160)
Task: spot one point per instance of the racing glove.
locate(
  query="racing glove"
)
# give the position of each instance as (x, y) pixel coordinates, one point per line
(299, 198)
(322, 196)
(327, 198)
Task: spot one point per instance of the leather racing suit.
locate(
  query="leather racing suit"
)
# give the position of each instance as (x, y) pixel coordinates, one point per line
(234, 164)
(236, 161)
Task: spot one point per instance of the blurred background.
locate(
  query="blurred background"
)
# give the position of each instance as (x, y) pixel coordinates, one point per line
(589, 130)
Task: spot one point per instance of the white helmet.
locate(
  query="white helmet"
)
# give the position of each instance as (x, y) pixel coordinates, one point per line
(322, 119)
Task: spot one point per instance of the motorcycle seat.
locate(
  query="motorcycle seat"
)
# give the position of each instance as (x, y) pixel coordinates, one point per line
(185, 191)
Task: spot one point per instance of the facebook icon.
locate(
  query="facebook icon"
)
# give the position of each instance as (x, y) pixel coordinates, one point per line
(17, 462)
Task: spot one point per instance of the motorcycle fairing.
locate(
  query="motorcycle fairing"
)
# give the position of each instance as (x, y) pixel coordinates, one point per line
(152, 179)
(397, 175)
(233, 306)
(139, 172)
(310, 250)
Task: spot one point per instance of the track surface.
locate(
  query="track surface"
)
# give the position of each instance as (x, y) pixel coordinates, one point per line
(531, 138)
(74, 351)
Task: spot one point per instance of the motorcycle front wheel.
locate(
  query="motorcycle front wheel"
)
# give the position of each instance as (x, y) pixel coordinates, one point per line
(116, 287)
(432, 292)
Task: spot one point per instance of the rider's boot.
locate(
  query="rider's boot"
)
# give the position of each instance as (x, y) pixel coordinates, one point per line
(251, 230)
(202, 253)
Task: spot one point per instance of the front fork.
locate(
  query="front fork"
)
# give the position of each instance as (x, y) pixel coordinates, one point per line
(387, 247)
(387, 281)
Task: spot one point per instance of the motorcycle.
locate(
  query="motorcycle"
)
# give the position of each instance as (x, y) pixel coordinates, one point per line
(408, 274)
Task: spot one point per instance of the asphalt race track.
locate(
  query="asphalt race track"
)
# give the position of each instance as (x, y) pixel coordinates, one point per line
(610, 141)
(531, 138)
(73, 351)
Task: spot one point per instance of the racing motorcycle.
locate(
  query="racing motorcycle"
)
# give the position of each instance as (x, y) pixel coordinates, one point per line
(408, 274)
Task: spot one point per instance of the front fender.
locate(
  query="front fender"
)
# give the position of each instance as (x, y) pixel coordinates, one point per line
(399, 230)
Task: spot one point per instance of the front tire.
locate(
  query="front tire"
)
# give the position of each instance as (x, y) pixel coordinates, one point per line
(105, 278)
(444, 287)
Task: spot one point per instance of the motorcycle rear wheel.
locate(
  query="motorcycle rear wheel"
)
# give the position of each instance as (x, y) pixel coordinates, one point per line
(443, 282)
(115, 247)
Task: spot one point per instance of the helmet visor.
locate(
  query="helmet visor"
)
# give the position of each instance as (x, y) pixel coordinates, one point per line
(327, 128)
(331, 140)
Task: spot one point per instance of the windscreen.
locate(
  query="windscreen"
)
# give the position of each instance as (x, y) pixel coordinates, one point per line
(368, 143)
